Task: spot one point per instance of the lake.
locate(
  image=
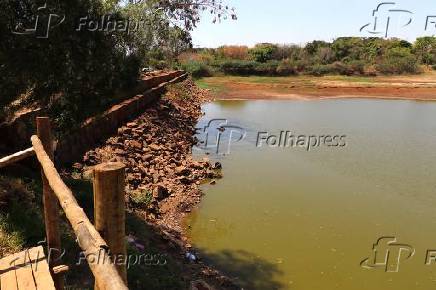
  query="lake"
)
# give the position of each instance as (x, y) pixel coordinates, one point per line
(358, 215)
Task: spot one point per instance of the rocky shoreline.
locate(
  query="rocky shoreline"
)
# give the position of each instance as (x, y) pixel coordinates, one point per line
(162, 178)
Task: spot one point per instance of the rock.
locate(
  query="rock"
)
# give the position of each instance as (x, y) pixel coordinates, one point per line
(182, 170)
(185, 180)
(136, 144)
(120, 152)
(160, 193)
(154, 147)
(147, 157)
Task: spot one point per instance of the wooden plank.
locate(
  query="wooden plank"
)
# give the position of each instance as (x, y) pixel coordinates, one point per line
(26, 270)
(41, 271)
(23, 271)
(7, 274)
(8, 160)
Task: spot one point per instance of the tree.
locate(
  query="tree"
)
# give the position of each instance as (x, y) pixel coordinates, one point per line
(263, 52)
(425, 49)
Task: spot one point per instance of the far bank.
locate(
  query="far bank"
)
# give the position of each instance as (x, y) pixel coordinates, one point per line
(408, 87)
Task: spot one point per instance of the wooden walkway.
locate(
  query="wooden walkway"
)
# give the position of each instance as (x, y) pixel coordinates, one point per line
(27, 270)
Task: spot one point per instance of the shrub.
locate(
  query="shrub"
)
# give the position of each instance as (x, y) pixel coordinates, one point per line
(197, 69)
(350, 68)
(356, 67)
(237, 67)
(320, 69)
(234, 52)
(263, 52)
(268, 68)
(397, 61)
(286, 68)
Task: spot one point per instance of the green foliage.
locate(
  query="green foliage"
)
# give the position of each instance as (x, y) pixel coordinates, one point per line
(398, 60)
(262, 52)
(313, 47)
(238, 67)
(286, 68)
(197, 69)
(344, 56)
(18, 229)
(141, 198)
(425, 50)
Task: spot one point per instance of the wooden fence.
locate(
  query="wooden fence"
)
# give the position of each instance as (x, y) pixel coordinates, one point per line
(109, 210)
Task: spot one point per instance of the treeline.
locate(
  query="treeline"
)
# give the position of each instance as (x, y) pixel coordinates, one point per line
(73, 68)
(343, 56)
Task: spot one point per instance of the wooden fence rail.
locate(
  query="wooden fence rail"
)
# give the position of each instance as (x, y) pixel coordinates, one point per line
(8, 160)
(109, 215)
(89, 239)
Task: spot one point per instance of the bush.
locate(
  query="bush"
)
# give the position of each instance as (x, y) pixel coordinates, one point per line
(286, 68)
(320, 69)
(197, 69)
(263, 52)
(354, 67)
(397, 61)
(267, 69)
(238, 67)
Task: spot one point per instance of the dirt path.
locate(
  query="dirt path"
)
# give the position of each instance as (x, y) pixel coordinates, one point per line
(419, 87)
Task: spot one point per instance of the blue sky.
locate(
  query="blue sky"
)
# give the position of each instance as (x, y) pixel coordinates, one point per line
(290, 21)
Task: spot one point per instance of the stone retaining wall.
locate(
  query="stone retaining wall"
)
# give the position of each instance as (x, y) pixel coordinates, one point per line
(73, 146)
(16, 134)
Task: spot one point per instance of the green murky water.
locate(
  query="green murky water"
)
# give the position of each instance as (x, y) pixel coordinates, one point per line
(288, 218)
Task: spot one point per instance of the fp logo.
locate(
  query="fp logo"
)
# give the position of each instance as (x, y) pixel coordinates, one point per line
(44, 22)
(220, 135)
(388, 254)
(383, 17)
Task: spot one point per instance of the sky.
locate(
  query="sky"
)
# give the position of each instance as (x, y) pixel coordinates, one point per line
(298, 22)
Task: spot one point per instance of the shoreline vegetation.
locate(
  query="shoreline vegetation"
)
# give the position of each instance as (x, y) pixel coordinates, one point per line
(348, 56)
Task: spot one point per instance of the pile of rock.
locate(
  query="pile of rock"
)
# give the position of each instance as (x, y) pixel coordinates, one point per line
(161, 175)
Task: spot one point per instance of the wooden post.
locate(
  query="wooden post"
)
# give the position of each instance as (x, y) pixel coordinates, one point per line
(50, 201)
(109, 211)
